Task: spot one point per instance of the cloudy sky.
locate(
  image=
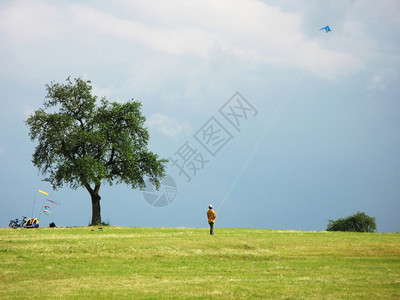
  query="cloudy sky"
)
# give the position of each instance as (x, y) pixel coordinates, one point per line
(276, 123)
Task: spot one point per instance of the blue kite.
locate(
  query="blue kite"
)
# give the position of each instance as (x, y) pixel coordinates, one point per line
(327, 29)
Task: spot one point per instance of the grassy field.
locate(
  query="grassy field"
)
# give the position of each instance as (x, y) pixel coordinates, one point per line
(120, 263)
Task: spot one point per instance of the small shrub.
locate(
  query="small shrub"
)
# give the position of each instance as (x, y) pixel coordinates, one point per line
(359, 222)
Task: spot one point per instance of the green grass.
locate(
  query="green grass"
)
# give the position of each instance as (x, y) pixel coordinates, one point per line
(164, 263)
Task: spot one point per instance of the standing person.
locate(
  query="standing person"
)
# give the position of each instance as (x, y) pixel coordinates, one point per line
(211, 215)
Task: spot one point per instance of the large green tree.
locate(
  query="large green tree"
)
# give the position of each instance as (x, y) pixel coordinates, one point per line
(81, 144)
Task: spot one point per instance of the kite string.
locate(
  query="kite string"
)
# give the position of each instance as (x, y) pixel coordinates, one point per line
(278, 110)
(41, 210)
(33, 206)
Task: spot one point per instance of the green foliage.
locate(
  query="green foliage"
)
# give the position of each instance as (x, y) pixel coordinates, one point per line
(359, 222)
(84, 145)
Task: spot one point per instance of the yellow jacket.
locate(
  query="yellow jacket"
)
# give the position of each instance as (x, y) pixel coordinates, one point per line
(211, 215)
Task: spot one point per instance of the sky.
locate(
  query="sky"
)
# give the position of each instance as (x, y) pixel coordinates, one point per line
(278, 124)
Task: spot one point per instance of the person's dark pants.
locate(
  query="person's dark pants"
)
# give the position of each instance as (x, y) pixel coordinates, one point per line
(211, 228)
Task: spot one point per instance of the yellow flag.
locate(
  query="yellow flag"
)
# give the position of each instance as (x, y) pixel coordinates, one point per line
(43, 192)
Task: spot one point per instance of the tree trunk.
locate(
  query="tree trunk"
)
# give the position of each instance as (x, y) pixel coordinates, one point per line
(96, 216)
(94, 194)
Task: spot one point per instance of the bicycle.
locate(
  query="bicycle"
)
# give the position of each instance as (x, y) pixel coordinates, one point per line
(17, 223)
